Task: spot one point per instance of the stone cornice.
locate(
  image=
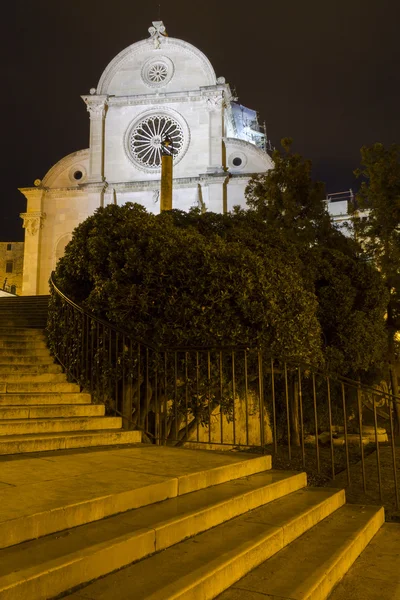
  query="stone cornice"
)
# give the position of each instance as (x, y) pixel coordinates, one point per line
(201, 95)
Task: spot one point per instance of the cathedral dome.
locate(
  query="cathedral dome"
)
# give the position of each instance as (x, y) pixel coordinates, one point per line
(157, 64)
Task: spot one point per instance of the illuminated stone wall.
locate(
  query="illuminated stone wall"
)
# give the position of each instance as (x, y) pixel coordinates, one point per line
(11, 255)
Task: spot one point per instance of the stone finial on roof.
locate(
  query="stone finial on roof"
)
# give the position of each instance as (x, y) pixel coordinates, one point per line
(157, 32)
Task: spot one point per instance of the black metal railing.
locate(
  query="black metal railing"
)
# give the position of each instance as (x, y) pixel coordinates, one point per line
(239, 397)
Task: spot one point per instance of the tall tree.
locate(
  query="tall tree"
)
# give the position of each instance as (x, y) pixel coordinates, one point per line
(376, 221)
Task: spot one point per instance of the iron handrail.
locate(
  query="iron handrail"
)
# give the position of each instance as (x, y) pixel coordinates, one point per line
(316, 370)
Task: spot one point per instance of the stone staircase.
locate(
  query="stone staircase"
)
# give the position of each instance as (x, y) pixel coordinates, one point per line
(159, 523)
(147, 522)
(39, 409)
(24, 311)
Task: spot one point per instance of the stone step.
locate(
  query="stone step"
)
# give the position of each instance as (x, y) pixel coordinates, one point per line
(14, 369)
(52, 565)
(19, 427)
(26, 360)
(41, 399)
(72, 490)
(375, 573)
(11, 352)
(48, 411)
(45, 442)
(209, 563)
(316, 561)
(31, 344)
(38, 387)
(32, 377)
(20, 332)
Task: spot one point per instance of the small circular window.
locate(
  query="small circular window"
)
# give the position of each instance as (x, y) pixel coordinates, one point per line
(77, 174)
(237, 161)
(157, 71)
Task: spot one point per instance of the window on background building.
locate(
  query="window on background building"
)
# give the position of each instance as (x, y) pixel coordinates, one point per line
(9, 266)
(9, 246)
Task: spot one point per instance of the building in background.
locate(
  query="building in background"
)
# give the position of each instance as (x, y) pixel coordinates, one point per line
(11, 266)
(156, 87)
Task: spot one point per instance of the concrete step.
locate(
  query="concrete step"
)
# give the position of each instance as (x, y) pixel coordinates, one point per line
(29, 343)
(20, 332)
(74, 489)
(375, 574)
(207, 564)
(26, 360)
(32, 377)
(40, 399)
(51, 411)
(52, 565)
(18, 427)
(45, 442)
(31, 387)
(38, 351)
(316, 561)
(14, 369)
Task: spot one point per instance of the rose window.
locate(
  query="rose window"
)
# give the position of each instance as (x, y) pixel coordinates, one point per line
(158, 73)
(145, 139)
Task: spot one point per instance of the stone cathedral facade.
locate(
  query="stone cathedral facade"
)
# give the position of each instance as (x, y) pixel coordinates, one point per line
(160, 86)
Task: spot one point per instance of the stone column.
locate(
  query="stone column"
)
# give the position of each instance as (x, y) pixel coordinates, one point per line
(215, 107)
(97, 107)
(33, 221)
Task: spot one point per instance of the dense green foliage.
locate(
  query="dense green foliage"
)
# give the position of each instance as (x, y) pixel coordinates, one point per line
(351, 296)
(376, 222)
(177, 286)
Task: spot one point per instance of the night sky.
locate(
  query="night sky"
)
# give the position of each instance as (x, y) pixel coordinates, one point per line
(324, 72)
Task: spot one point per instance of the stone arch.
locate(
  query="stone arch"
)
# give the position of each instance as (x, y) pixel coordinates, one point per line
(60, 247)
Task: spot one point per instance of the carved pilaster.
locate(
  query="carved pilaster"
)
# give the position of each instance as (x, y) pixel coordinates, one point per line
(33, 221)
(215, 106)
(97, 108)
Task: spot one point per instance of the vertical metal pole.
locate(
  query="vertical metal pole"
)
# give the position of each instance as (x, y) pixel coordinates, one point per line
(287, 413)
(234, 397)
(359, 402)
(186, 396)
(316, 424)
(261, 394)
(330, 426)
(221, 391)
(165, 400)
(209, 395)
(197, 395)
(157, 408)
(378, 462)
(396, 487)
(301, 419)
(246, 396)
(346, 441)
(176, 394)
(274, 406)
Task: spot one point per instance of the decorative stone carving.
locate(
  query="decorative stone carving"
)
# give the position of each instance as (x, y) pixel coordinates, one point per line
(215, 103)
(157, 72)
(33, 221)
(156, 196)
(157, 33)
(144, 137)
(96, 107)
